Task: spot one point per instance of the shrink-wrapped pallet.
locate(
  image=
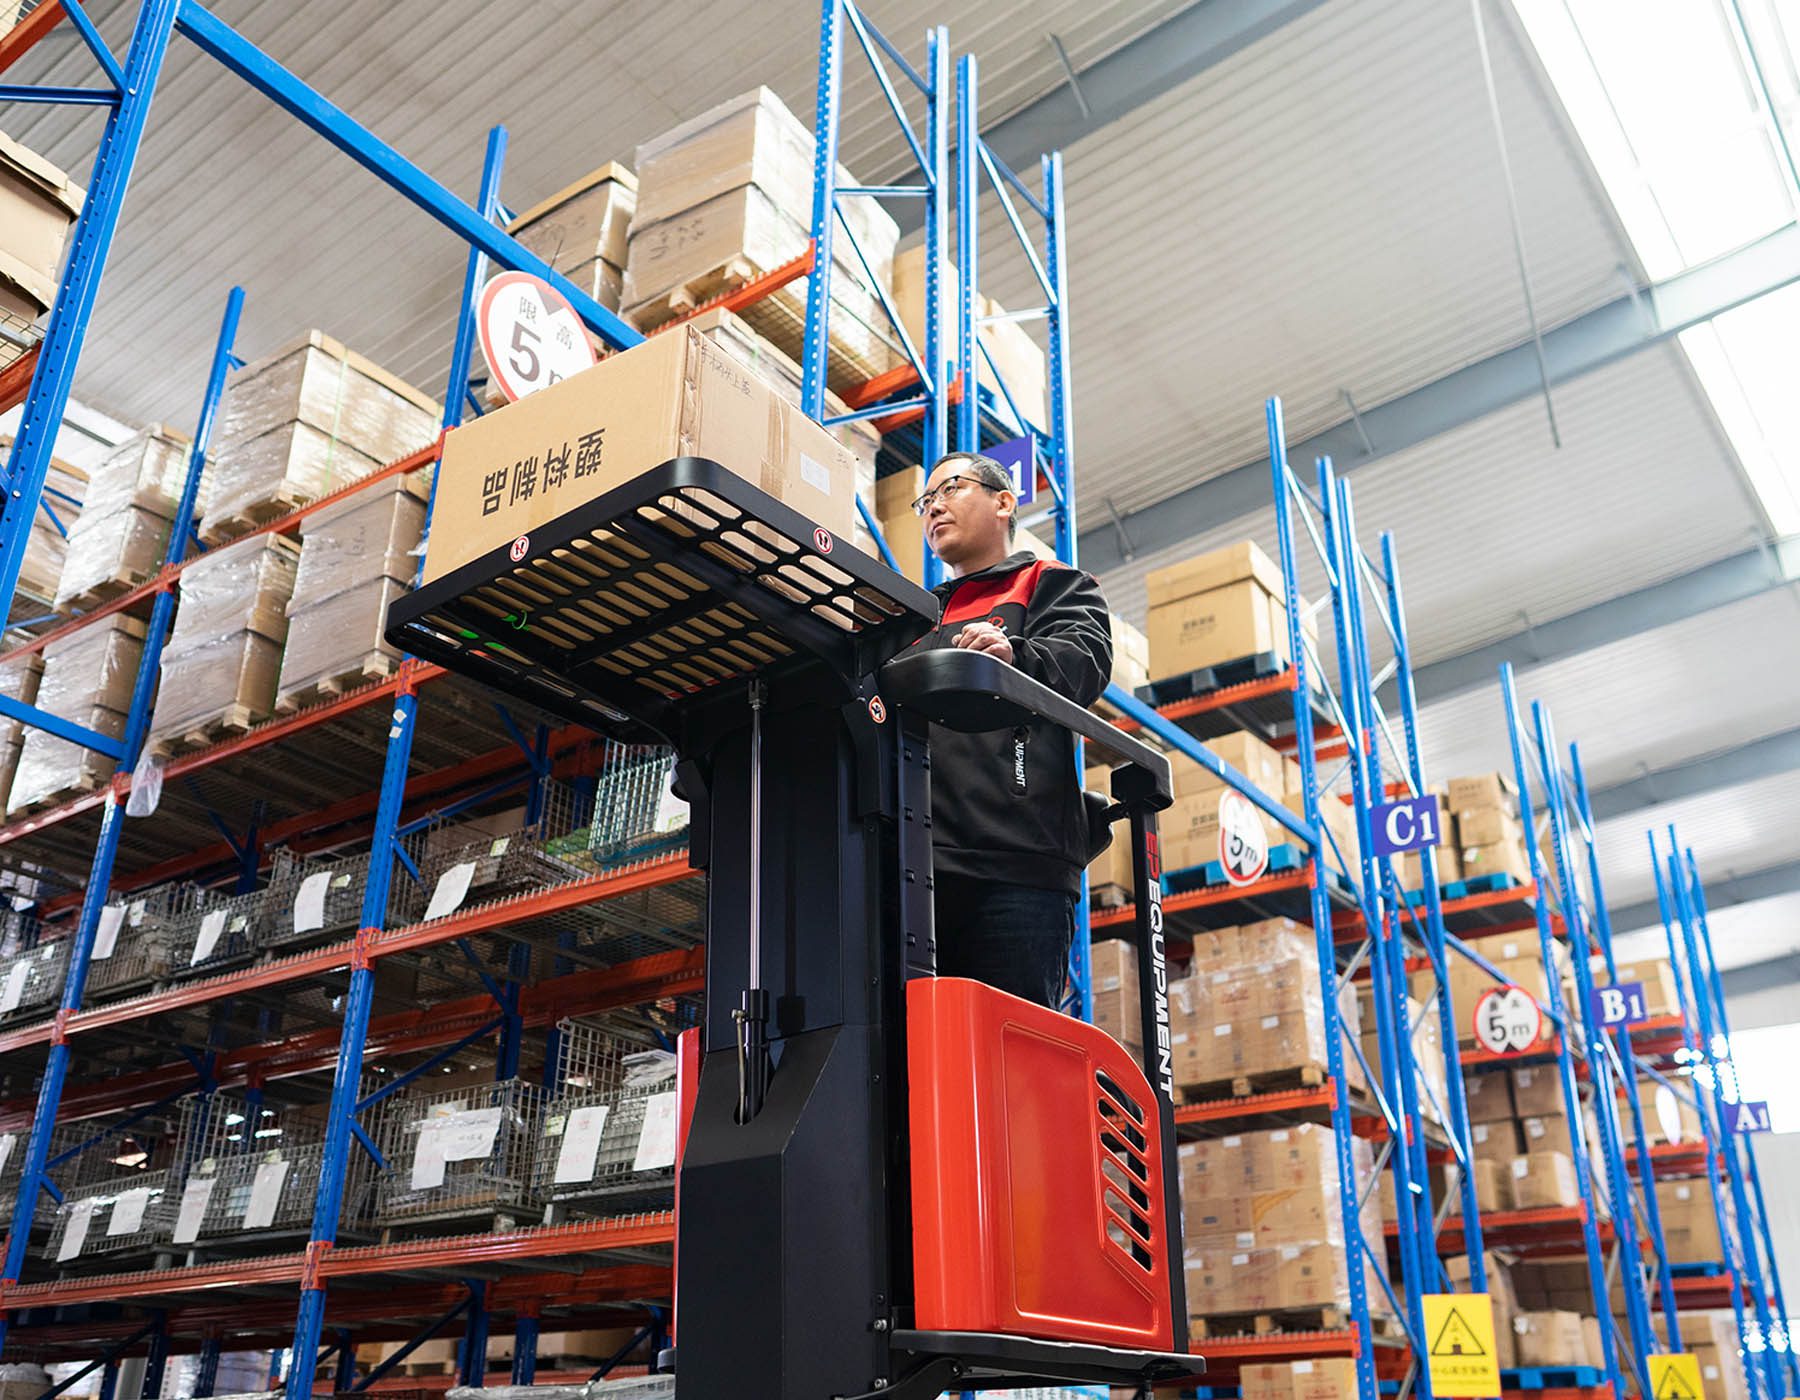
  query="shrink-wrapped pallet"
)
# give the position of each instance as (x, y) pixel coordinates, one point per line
(581, 231)
(38, 203)
(356, 556)
(47, 547)
(223, 657)
(727, 198)
(123, 533)
(88, 679)
(19, 677)
(303, 423)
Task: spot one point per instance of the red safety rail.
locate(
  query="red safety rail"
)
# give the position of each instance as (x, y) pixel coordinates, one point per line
(15, 379)
(1707, 1293)
(1672, 1159)
(750, 293)
(316, 962)
(17, 40)
(1213, 894)
(1659, 1035)
(1545, 1230)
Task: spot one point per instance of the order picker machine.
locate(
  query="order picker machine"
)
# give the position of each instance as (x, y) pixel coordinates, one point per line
(892, 1183)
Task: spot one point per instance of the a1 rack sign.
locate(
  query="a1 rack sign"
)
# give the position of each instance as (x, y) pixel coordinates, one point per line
(1748, 1116)
(1411, 824)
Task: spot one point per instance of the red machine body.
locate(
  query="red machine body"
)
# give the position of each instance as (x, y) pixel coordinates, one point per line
(1037, 1173)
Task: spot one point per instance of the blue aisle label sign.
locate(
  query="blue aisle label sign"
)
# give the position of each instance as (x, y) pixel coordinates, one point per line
(1750, 1116)
(1019, 456)
(1621, 1004)
(1411, 824)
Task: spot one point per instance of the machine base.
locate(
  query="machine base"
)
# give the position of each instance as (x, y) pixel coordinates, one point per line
(934, 1362)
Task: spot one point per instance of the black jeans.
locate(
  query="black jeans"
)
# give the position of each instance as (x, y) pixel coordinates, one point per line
(1014, 937)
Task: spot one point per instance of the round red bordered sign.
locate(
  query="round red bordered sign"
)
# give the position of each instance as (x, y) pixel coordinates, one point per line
(1243, 840)
(530, 336)
(1508, 1020)
(520, 548)
(822, 540)
(877, 710)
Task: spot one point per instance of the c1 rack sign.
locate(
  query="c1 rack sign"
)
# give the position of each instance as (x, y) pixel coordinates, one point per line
(1748, 1116)
(1621, 1004)
(1411, 824)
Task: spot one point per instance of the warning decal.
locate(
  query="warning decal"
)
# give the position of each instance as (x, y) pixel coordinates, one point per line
(1675, 1376)
(1462, 1351)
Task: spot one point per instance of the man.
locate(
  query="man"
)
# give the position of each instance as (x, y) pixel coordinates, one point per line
(1009, 830)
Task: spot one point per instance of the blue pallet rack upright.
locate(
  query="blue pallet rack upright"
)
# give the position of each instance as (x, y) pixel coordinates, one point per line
(1405, 931)
(1743, 1223)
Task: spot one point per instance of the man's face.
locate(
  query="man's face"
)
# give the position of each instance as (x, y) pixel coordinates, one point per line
(967, 521)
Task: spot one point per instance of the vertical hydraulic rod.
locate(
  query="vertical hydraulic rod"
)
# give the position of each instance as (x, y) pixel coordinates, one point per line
(1325, 945)
(137, 725)
(1565, 1063)
(1593, 1047)
(1456, 1106)
(1627, 1059)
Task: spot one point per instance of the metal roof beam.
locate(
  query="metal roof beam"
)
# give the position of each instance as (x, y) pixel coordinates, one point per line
(1761, 977)
(1601, 337)
(1162, 58)
(1714, 585)
(1760, 758)
(1721, 893)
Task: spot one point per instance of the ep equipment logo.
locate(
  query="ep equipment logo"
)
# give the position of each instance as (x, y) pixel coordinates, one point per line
(1159, 965)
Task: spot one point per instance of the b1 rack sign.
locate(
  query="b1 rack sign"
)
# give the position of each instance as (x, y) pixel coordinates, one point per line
(1621, 1004)
(1411, 824)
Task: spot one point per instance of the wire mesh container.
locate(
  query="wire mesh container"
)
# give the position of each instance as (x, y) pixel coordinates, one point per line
(216, 931)
(630, 816)
(311, 900)
(608, 1137)
(126, 1212)
(31, 980)
(249, 1169)
(471, 862)
(12, 1169)
(454, 1153)
(624, 1388)
(141, 942)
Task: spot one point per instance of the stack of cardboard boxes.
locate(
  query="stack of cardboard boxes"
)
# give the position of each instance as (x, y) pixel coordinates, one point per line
(1323, 1378)
(1264, 1223)
(1218, 607)
(88, 678)
(581, 231)
(1690, 1221)
(38, 203)
(1004, 347)
(123, 533)
(1519, 959)
(1113, 965)
(1489, 837)
(1524, 1155)
(1713, 1339)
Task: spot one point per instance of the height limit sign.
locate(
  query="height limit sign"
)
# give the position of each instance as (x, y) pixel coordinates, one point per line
(530, 336)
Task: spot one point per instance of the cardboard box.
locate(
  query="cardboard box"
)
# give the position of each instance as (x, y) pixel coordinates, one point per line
(1500, 1290)
(1324, 1378)
(1493, 1190)
(1517, 957)
(1543, 1179)
(1489, 1096)
(1547, 1132)
(1131, 655)
(88, 677)
(1483, 790)
(1117, 1010)
(1548, 1339)
(38, 204)
(1713, 1339)
(1216, 607)
(1537, 1090)
(1502, 858)
(1669, 1117)
(582, 222)
(1409, 868)
(1662, 997)
(1494, 1142)
(1203, 573)
(1487, 826)
(676, 394)
(1690, 1225)
(1010, 347)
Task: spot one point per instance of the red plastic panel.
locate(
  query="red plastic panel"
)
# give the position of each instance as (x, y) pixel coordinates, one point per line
(687, 1089)
(1037, 1183)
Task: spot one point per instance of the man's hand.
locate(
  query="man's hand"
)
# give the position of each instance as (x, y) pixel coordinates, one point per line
(984, 636)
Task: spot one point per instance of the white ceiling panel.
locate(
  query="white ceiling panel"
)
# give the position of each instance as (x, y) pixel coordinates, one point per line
(1742, 934)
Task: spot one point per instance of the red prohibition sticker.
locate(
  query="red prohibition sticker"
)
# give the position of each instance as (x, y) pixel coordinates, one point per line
(1508, 1020)
(520, 548)
(877, 710)
(822, 540)
(1243, 840)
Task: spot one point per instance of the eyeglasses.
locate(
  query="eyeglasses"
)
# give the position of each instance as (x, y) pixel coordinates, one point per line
(949, 488)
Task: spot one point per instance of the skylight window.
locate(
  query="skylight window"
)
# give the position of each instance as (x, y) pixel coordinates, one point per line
(1682, 129)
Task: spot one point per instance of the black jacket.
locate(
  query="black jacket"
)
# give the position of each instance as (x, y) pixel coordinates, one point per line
(1007, 805)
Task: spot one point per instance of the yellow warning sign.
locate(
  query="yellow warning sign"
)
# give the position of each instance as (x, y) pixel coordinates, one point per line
(1459, 1331)
(1675, 1376)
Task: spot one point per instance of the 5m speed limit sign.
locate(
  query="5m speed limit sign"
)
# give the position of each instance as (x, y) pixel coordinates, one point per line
(530, 337)
(1243, 840)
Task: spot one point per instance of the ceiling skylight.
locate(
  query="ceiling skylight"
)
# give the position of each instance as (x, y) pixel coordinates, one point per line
(1685, 132)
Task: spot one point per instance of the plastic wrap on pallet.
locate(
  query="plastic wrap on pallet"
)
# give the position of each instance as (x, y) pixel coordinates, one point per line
(46, 550)
(88, 678)
(457, 1152)
(304, 422)
(223, 658)
(123, 533)
(581, 231)
(19, 677)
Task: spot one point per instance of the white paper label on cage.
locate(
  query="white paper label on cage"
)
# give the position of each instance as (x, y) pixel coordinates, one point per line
(6, 1147)
(469, 1135)
(75, 1232)
(500, 846)
(265, 1195)
(211, 926)
(581, 1144)
(134, 912)
(106, 937)
(428, 1156)
(127, 1216)
(451, 889)
(309, 902)
(656, 1144)
(194, 1198)
(671, 812)
(15, 986)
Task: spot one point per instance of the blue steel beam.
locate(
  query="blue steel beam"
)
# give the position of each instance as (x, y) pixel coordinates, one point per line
(62, 728)
(1621, 328)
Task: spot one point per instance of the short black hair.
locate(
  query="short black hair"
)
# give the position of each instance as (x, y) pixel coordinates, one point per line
(988, 472)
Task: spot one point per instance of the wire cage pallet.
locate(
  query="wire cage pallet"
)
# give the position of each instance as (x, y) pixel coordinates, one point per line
(125, 1213)
(454, 1153)
(250, 1171)
(631, 815)
(607, 1143)
(216, 932)
(141, 943)
(12, 1166)
(312, 901)
(32, 979)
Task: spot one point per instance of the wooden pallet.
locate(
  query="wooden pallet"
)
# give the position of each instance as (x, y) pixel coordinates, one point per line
(84, 784)
(1109, 896)
(216, 530)
(102, 593)
(1277, 1321)
(376, 666)
(1242, 1086)
(691, 295)
(235, 720)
